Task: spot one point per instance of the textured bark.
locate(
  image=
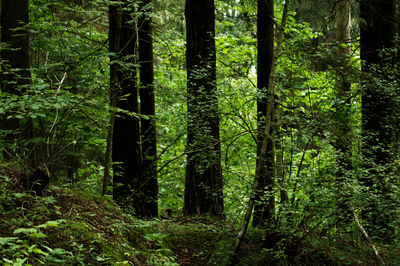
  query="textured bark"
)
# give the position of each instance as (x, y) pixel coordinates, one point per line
(108, 155)
(280, 149)
(264, 206)
(114, 18)
(203, 184)
(342, 119)
(147, 107)
(343, 37)
(126, 153)
(379, 111)
(14, 61)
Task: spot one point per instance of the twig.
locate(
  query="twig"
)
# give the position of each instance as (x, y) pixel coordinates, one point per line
(378, 257)
(174, 159)
(90, 118)
(169, 146)
(56, 117)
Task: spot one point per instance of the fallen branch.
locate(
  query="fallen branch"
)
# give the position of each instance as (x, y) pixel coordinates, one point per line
(378, 257)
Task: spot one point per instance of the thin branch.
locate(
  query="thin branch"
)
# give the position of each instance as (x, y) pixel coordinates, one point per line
(239, 73)
(378, 257)
(174, 159)
(266, 137)
(56, 116)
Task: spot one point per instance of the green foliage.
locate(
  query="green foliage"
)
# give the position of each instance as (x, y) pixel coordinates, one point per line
(65, 227)
(67, 104)
(65, 101)
(28, 243)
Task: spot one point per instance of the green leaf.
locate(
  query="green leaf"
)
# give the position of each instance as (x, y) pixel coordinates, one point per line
(25, 231)
(54, 223)
(38, 235)
(7, 240)
(35, 106)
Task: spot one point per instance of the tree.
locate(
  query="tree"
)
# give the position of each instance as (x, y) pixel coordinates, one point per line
(147, 108)
(264, 206)
(260, 166)
(343, 37)
(14, 58)
(203, 183)
(343, 141)
(126, 153)
(133, 143)
(379, 110)
(114, 31)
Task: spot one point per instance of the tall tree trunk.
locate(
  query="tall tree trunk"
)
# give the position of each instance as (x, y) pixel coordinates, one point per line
(203, 184)
(343, 141)
(267, 130)
(147, 107)
(15, 62)
(114, 18)
(126, 153)
(264, 205)
(379, 112)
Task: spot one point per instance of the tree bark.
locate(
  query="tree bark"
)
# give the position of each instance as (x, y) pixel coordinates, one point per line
(147, 108)
(203, 183)
(342, 119)
(126, 153)
(264, 204)
(114, 32)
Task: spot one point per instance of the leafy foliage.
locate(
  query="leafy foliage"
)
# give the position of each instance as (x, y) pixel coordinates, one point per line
(67, 103)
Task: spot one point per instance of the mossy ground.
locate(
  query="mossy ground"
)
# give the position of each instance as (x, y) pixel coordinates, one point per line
(65, 226)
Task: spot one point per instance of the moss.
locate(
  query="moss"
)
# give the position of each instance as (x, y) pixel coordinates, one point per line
(93, 230)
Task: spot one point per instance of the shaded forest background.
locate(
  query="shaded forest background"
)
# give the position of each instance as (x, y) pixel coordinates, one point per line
(278, 115)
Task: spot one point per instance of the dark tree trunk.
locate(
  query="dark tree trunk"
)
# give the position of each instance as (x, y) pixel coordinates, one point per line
(14, 14)
(14, 61)
(203, 185)
(147, 107)
(264, 206)
(126, 153)
(379, 111)
(114, 32)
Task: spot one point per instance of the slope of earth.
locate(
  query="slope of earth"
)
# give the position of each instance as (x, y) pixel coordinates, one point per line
(65, 226)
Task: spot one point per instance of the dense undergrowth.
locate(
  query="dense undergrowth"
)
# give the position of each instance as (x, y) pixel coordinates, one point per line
(65, 226)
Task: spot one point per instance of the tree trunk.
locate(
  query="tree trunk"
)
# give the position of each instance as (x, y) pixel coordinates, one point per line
(15, 57)
(147, 107)
(14, 14)
(268, 122)
(114, 18)
(343, 141)
(379, 112)
(126, 153)
(203, 184)
(264, 204)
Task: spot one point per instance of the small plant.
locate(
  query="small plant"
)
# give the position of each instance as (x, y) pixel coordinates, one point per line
(29, 243)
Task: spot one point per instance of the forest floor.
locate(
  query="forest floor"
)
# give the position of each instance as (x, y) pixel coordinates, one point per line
(65, 226)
